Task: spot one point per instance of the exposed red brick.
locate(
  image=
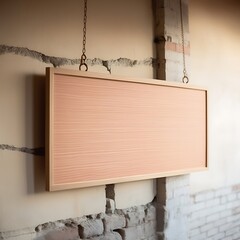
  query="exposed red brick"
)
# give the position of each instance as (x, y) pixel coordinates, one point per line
(176, 47)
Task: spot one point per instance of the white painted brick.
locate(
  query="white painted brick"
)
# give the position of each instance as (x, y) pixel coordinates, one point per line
(207, 211)
(215, 213)
(217, 209)
(174, 58)
(225, 227)
(177, 181)
(234, 219)
(212, 202)
(232, 231)
(233, 204)
(181, 191)
(202, 236)
(213, 217)
(197, 222)
(236, 236)
(207, 227)
(204, 196)
(185, 211)
(238, 195)
(223, 191)
(220, 222)
(226, 213)
(194, 232)
(185, 201)
(169, 195)
(198, 214)
(219, 236)
(212, 232)
(172, 62)
(223, 199)
(198, 206)
(176, 204)
(232, 197)
(228, 238)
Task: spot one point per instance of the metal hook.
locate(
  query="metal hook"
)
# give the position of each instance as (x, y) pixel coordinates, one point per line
(85, 65)
(83, 62)
(185, 79)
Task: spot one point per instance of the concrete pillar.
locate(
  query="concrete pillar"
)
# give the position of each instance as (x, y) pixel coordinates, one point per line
(168, 38)
(173, 197)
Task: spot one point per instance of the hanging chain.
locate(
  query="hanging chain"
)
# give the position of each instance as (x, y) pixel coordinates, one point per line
(84, 57)
(185, 78)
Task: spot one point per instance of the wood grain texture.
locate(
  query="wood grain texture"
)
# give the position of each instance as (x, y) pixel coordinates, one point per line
(105, 129)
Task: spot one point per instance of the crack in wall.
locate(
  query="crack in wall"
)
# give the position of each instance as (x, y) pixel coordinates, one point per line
(62, 61)
(34, 151)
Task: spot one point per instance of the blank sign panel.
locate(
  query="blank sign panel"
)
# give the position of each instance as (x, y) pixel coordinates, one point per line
(103, 129)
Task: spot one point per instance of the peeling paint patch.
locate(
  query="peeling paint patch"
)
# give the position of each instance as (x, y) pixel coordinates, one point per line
(33, 151)
(61, 61)
(125, 62)
(22, 51)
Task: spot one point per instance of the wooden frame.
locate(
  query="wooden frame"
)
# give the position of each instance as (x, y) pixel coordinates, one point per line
(102, 129)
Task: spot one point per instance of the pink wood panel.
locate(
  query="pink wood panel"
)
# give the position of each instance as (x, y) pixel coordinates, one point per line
(111, 130)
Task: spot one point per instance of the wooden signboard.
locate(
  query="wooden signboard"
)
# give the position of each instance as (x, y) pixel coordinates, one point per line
(103, 129)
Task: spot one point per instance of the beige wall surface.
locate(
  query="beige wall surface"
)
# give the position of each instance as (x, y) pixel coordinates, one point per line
(215, 54)
(115, 29)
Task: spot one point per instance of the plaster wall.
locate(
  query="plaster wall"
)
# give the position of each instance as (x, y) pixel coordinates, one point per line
(115, 29)
(215, 51)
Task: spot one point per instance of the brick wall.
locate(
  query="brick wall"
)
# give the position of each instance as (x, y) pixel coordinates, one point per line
(173, 207)
(126, 224)
(210, 215)
(215, 214)
(117, 224)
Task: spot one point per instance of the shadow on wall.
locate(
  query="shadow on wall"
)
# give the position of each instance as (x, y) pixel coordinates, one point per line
(35, 125)
(219, 8)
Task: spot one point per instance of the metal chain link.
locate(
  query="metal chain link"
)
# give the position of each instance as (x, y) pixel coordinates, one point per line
(84, 57)
(185, 78)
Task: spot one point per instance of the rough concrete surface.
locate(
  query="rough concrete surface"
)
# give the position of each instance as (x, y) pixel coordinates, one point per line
(62, 61)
